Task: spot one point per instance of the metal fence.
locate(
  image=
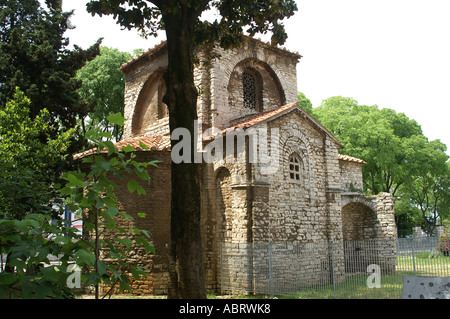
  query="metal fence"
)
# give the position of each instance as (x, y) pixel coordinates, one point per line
(355, 269)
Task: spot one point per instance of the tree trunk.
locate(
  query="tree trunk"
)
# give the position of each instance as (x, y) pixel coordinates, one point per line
(186, 276)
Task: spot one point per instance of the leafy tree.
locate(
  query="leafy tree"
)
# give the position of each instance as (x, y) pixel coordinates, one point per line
(104, 86)
(28, 157)
(31, 229)
(429, 192)
(34, 57)
(305, 103)
(400, 159)
(390, 143)
(93, 193)
(29, 204)
(187, 33)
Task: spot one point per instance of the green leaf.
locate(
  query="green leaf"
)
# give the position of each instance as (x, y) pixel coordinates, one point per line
(137, 273)
(7, 278)
(142, 173)
(111, 147)
(74, 179)
(133, 186)
(149, 247)
(128, 148)
(127, 242)
(50, 273)
(101, 268)
(117, 119)
(142, 215)
(85, 258)
(143, 146)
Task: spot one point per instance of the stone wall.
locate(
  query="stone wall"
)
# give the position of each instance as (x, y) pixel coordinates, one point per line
(280, 79)
(351, 176)
(143, 90)
(246, 203)
(156, 205)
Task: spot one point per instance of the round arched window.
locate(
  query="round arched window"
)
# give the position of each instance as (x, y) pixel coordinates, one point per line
(295, 168)
(250, 95)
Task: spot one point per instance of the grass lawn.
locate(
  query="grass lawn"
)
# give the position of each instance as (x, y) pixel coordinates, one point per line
(355, 286)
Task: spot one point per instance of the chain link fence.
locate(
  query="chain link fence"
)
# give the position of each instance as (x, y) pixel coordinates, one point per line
(354, 269)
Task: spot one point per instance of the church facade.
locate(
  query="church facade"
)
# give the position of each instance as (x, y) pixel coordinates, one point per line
(282, 180)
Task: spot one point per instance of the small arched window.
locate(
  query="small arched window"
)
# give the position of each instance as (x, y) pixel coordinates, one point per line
(250, 94)
(295, 168)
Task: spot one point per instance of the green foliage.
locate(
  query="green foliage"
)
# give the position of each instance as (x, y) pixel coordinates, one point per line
(235, 17)
(35, 58)
(305, 103)
(28, 243)
(31, 228)
(429, 192)
(28, 157)
(400, 159)
(29, 142)
(103, 86)
(444, 244)
(93, 192)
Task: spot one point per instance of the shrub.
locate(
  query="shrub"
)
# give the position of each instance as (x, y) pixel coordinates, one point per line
(444, 244)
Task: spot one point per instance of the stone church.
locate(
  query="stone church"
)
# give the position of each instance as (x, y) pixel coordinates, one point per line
(306, 192)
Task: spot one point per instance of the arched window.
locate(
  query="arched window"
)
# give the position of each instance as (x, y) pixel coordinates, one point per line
(250, 95)
(295, 168)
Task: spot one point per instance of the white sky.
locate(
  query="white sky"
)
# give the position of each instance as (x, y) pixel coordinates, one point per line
(392, 53)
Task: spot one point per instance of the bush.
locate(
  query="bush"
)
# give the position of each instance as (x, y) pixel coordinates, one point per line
(444, 244)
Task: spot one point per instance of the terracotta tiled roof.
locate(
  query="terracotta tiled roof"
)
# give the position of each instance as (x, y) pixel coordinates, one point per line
(156, 142)
(162, 49)
(351, 159)
(145, 56)
(261, 117)
(258, 118)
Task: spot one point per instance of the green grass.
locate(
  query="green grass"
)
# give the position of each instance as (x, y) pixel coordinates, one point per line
(355, 286)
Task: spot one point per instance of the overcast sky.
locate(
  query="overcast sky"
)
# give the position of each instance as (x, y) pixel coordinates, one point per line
(392, 53)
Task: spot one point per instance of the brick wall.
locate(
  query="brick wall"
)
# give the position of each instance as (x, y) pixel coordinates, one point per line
(156, 205)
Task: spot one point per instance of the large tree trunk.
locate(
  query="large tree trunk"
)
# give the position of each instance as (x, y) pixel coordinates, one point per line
(186, 277)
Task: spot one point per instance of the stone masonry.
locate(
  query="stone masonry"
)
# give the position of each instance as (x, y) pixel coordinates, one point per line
(299, 190)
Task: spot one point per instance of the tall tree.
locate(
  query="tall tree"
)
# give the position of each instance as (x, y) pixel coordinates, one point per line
(429, 191)
(305, 103)
(103, 85)
(28, 157)
(391, 143)
(186, 33)
(34, 56)
(400, 159)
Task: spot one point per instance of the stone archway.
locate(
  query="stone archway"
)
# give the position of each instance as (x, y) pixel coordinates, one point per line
(149, 107)
(368, 228)
(359, 222)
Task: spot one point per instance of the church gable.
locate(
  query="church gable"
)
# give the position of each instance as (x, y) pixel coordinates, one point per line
(253, 78)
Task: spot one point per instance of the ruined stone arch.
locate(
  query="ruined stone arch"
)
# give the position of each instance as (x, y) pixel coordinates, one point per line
(149, 107)
(359, 220)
